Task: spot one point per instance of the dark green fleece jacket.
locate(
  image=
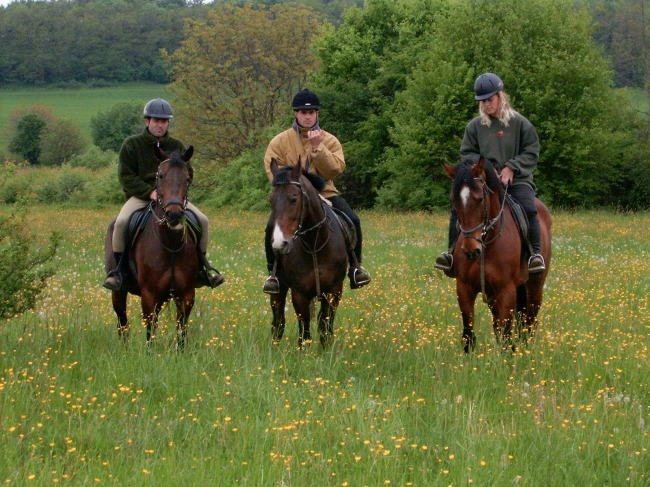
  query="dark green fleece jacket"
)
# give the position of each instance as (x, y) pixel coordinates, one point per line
(138, 163)
(515, 146)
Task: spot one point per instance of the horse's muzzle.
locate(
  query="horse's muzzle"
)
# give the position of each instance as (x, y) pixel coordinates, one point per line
(174, 218)
(283, 247)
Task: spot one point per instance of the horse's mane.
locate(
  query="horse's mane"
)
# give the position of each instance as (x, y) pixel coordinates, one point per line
(464, 176)
(176, 160)
(283, 176)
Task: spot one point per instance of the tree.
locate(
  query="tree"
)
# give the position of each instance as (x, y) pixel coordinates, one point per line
(235, 74)
(27, 141)
(556, 76)
(61, 141)
(109, 129)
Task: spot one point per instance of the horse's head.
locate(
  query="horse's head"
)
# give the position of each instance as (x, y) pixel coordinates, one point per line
(475, 191)
(293, 196)
(172, 185)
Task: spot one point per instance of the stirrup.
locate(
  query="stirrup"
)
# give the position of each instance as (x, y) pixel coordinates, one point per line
(210, 279)
(271, 285)
(359, 277)
(444, 262)
(113, 281)
(536, 264)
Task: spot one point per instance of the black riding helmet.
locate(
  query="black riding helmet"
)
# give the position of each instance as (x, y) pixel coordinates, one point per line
(158, 108)
(486, 86)
(305, 100)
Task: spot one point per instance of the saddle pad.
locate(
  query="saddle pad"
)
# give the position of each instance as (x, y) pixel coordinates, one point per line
(519, 215)
(349, 232)
(139, 218)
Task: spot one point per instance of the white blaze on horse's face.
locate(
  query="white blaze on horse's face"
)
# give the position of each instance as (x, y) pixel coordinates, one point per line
(464, 195)
(278, 241)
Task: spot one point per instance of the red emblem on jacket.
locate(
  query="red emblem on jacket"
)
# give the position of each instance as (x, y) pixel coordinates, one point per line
(500, 133)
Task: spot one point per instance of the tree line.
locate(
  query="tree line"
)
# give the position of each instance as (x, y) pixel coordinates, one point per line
(395, 79)
(94, 42)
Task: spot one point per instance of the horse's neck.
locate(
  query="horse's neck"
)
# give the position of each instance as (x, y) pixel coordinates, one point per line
(315, 214)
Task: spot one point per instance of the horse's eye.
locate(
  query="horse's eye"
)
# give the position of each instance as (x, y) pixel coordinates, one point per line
(294, 199)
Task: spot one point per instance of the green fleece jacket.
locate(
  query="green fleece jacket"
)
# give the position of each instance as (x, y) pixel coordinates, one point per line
(138, 163)
(515, 146)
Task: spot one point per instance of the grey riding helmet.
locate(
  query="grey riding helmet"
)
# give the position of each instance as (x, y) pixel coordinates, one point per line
(305, 100)
(486, 86)
(158, 108)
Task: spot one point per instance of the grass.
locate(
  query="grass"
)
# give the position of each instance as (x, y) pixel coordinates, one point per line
(394, 401)
(78, 104)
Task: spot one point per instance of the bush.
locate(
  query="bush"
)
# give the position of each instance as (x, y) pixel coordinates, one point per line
(243, 183)
(94, 159)
(23, 269)
(27, 141)
(61, 141)
(109, 129)
(60, 190)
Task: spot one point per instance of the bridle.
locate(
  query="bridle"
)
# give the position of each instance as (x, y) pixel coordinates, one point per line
(162, 205)
(486, 226)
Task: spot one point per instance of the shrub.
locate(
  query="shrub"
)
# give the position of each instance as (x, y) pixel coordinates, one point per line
(109, 129)
(61, 141)
(94, 158)
(27, 141)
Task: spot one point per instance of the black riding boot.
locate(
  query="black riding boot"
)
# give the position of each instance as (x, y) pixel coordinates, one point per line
(208, 275)
(115, 278)
(536, 262)
(445, 261)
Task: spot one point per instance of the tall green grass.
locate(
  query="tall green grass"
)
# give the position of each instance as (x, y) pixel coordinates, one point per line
(78, 104)
(394, 401)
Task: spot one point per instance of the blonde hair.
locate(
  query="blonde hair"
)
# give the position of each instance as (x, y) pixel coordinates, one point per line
(504, 113)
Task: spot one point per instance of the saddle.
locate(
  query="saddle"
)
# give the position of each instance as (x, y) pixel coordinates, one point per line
(345, 224)
(521, 220)
(138, 220)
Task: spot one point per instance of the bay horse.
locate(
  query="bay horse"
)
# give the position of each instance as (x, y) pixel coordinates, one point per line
(164, 254)
(310, 250)
(489, 256)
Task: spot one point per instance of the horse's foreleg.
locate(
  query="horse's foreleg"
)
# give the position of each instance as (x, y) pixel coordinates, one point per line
(119, 299)
(503, 310)
(329, 304)
(183, 309)
(466, 297)
(534, 290)
(150, 310)
(302, 307)
(278, 302)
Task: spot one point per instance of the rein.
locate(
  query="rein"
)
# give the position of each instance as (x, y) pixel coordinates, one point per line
(486, 226)
(302, 233)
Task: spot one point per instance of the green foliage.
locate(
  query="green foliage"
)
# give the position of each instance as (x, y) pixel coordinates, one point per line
(23, 268)
(94, 158)
(68, 183)
(27, 141)
(110, 128)
(61, 141)
(243, 184)
(236, 72)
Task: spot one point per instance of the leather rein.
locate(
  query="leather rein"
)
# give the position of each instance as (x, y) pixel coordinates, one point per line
(486, 226)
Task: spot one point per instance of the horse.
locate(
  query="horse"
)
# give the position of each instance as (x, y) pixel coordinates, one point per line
(310, 249)
(164, 254)
(489, 256)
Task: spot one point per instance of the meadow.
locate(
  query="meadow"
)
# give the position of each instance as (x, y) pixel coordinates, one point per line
(393, 402)
(80, 105)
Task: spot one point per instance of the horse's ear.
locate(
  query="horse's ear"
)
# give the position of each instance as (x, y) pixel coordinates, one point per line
(161, 155)
(307, 165)
(274, 166)
(450, 170)
(187, 155)
(479, 167)
(297, 170)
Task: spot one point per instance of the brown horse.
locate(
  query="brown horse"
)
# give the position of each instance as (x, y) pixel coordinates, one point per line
(164, 254)
(489, 257)
(310, 249)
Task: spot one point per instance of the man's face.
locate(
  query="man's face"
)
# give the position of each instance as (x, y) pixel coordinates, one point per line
(157, 126)
(306, 118)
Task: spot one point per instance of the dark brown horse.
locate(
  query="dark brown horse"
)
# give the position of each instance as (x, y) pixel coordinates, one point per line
(164, 254)
(489, 257)
(310, 249)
